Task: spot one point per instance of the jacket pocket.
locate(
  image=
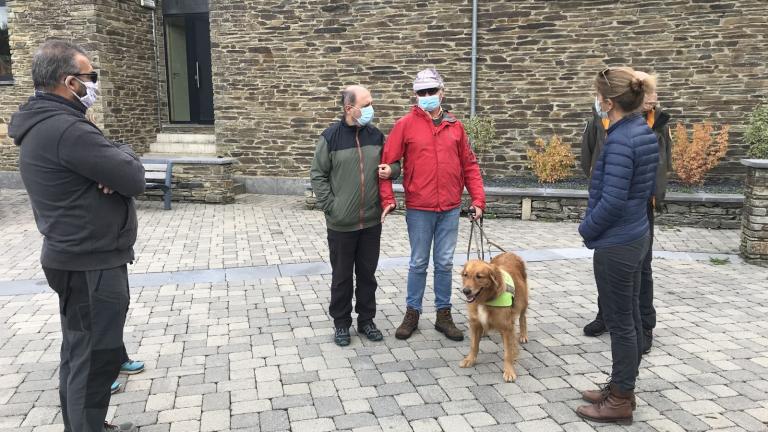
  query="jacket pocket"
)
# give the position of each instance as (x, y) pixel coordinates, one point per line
(345, 212)
(126, 236)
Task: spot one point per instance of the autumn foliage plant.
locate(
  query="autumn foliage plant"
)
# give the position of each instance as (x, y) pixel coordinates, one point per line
(693, 157)
(551, 161)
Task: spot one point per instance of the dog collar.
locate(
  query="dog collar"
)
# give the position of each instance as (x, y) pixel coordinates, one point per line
(507, 298)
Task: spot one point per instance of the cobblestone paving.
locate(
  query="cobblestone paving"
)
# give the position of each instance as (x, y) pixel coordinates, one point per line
(257, 355)
(267, 230)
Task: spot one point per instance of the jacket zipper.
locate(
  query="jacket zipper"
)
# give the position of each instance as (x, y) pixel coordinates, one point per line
(362, 176)
(435, 130)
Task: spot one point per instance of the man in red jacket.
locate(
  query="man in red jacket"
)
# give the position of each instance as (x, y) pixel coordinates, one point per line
(437, 163)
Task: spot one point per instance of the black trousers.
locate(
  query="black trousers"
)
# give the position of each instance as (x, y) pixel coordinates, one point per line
(358, 252)
(93, 306)
(647, 311)
(618, 271)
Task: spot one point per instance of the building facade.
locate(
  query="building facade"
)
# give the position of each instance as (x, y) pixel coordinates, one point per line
(258, 80)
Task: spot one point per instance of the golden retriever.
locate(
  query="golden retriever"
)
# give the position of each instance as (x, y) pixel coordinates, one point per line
(483, 282)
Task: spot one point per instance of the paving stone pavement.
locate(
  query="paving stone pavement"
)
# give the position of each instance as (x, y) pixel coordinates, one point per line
(269, 230)
(256, 354)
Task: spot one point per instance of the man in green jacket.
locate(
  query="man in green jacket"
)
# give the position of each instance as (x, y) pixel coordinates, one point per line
(345, 179)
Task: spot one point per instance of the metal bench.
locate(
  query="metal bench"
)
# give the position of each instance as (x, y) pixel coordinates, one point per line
(158, 176)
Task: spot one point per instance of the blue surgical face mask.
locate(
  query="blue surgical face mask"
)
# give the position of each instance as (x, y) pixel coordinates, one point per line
(366, 115)
(599, 109)
(429, 103)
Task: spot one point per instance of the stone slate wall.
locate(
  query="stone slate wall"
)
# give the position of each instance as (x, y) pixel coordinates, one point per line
(117, 35)
(279, 65)
(127, 61)
(723, 215)
(203, 183)
(30, 22)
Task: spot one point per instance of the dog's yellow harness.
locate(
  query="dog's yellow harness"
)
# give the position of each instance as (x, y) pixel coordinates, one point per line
(507, 298)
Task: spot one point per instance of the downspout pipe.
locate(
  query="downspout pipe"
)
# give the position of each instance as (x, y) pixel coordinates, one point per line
(473, 81)
(157, 70)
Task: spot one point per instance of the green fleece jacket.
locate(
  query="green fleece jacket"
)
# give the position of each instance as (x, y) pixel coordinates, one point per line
(344, 176)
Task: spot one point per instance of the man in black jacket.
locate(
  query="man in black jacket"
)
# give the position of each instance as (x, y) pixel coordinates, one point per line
(592, 142)
(81, 189)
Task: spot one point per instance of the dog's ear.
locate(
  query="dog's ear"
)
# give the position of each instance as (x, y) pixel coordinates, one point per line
(495, 275)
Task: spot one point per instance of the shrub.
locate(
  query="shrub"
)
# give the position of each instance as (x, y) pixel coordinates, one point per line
(693, 158)
(757, 132)
(482, 134)
(551, 162)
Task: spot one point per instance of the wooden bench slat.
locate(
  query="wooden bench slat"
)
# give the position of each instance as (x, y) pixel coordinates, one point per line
(154, 175)
(155, 167)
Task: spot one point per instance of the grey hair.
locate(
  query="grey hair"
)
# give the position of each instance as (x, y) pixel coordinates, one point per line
(348, 97)
(54, 60)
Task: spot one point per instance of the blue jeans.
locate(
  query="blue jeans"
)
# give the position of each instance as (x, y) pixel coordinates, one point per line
(423, 228)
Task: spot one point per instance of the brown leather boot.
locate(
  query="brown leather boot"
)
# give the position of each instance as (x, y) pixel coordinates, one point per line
(615, 408)
(595, 396)
(409, 325)
(444, 324)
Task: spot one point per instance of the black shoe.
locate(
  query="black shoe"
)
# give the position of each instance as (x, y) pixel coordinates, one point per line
(125, 427)
(647, 340)
(370, 331)
(341, 336)
(595, 328)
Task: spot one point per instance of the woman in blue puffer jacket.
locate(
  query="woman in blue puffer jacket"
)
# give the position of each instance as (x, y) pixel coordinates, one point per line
(616, 227)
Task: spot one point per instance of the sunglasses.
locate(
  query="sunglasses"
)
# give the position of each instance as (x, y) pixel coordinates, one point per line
(604, 72)
(430, 91)
(94, 76)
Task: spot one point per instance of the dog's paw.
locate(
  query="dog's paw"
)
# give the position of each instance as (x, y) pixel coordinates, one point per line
(509, 374)
(467, 362)
(524, 338)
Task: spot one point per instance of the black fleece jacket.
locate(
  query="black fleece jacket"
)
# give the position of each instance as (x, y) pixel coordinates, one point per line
(62, 159)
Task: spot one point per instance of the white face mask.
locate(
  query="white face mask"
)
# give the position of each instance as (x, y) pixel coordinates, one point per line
(91, 93)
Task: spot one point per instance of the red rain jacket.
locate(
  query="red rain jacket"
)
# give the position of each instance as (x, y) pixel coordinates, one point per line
(437, 163)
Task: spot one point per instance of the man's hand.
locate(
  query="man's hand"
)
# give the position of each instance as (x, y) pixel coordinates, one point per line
(385, 171)
(386, 212)
(475, 213)
(106, 190)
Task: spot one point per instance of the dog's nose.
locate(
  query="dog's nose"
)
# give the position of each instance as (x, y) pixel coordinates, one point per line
(466, 291)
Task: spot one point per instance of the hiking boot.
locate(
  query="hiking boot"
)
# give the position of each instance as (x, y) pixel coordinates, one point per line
(647, 340)
(595, 396)
(125, 427)
(595, 328)
(444, 324)
(616, 407)
(341, 336)
(370, 331)
(409, 325)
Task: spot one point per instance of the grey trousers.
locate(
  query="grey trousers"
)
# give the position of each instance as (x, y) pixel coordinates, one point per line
(93, 306)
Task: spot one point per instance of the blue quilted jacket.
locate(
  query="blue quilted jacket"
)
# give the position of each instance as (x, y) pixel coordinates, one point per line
(623, 180)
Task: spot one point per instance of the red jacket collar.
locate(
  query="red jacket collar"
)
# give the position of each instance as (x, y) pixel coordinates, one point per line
(447, 116)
